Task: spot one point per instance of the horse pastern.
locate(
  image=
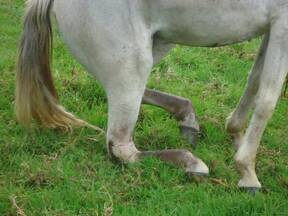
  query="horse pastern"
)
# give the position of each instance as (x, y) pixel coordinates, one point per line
(126, 153)
(190, 134)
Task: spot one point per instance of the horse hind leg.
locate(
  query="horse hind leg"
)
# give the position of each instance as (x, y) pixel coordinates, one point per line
(121, 61)
(270, 85)
(181, 108)
(237, 121)
(160, 49)
(125, 89)
(125, 92)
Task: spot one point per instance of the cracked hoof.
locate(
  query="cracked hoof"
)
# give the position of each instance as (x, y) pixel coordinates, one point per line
(190, 134)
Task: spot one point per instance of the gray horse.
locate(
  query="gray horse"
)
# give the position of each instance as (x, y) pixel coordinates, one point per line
(119, 41)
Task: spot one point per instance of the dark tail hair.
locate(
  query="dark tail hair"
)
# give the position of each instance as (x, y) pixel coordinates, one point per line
(36, 96)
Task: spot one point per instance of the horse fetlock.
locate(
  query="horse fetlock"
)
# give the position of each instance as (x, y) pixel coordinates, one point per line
(244, 161)
(190, 121)
(183, 110)
(238, 139)
(125, 152)
(190, 129)
(234, 124)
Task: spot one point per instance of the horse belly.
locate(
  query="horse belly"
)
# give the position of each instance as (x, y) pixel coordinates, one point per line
(214, 25)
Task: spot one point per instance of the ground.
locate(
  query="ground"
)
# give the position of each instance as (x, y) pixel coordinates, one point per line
(48, 172)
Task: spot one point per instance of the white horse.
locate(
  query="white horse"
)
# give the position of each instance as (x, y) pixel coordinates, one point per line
(118, 41)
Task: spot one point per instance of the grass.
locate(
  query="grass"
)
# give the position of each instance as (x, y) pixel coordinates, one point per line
(49, 172)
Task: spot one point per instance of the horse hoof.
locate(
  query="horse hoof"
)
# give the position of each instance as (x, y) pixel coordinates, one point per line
(251, 190)
(197, 176)
(190, 134)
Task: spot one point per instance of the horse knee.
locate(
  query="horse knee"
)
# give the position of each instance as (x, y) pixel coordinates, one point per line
(184, 109)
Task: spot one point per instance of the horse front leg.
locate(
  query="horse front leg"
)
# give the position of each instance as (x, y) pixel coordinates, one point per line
(271, 82)
(181, 108)
(237, 121)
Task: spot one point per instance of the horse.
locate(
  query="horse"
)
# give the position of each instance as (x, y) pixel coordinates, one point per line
(119, 41)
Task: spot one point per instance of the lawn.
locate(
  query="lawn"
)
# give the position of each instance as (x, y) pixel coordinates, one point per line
(47, 172)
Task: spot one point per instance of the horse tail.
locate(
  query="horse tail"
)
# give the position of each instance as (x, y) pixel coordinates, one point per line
(36, 96)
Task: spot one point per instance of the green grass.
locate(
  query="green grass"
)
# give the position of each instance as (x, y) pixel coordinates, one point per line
(55, 173)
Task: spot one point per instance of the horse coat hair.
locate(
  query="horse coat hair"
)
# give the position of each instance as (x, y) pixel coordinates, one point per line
(118, 41)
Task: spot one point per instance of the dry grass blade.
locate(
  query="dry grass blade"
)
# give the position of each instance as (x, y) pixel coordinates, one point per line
(108, 211)
(219, 182)
(19, 211)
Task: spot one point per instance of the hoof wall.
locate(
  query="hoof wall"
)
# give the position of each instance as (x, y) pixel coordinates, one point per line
(196, 176)
(251, 190)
